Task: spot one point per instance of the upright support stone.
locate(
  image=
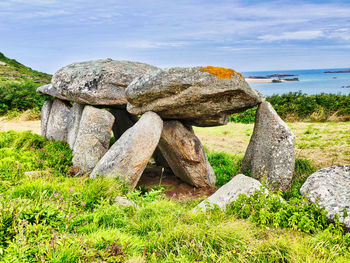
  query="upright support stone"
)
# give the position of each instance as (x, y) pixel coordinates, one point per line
(185, 154)
(73, 123)
(123, 121)
(93, 138)
(270, 152)
(129, 156)
(57, 126)
(45, 114)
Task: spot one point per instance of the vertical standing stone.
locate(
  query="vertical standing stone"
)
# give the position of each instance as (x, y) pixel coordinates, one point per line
(45, 114)
(73, 123)
(270, 152)
(129, 156)
(57, 126)
(93, 138)
(185, 154)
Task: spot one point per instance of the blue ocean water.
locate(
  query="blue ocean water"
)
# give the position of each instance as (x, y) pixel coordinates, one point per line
(312, 81)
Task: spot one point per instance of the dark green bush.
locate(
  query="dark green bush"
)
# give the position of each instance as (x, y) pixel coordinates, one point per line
(299, 106)
(19, 96)
(225, 166)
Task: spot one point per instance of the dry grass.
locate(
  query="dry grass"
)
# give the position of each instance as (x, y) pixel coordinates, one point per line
(324, 144)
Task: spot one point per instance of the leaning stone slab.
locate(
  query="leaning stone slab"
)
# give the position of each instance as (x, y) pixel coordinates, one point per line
(185, 155)
(45, 114)
(128, 157)
(99, 82)
(240, 184)
(93, 138)
(330, 188)
(270, 152)
(57, 125)
(195, 95)
(73, 123)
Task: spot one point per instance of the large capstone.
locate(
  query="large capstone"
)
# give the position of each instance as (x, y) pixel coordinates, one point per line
(185, 154)
(45, 114)
(240, 184)
(57, 125)
(51, 91)
(128, 157)
(73, 123)
(270, 154)
(330, 188)
(191, 94)
(99, 82)
(93, 138)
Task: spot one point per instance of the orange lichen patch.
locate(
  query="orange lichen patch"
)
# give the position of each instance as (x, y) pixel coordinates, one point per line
(221, 73)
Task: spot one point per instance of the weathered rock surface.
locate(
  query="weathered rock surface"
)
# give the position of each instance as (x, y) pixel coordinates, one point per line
(45, 114)
(240, 184)
(330, 188)
(51, 91)
(99, 82)
(270, 152)
(57, 125)
(128, 157)
(185, 154)
(93, 138)
(190, 94)
(73, 123)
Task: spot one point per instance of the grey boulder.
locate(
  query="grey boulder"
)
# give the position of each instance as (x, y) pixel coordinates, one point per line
(98, 82)
(330, 188)
(270, 152)
(45, 114)
(93, 138)
(240, 184)
(185, 154)
(128, 157)
(57, 124)
(191, 94)
(73, 123)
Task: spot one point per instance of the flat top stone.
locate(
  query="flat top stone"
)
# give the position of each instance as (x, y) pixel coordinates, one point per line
(98, 82)
(194, 93)
(330, 188)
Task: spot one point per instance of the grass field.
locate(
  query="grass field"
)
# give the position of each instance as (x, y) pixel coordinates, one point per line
(323, 143)
(50, 216)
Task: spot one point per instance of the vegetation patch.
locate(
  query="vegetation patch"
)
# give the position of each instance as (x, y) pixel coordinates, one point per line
(49, 216)
(296, 106)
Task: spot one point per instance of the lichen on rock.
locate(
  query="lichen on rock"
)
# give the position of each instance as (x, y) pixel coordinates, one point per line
(221, 73)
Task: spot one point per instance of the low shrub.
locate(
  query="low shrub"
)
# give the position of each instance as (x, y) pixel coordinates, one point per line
(296, 106)
(19, 96)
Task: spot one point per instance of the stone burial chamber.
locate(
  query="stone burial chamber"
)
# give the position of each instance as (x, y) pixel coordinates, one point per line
(151, 111)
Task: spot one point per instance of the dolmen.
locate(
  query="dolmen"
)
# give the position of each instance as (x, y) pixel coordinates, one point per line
(151, 112)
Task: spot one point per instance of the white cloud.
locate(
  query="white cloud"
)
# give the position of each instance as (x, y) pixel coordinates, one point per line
(297, 35)
(146, 44)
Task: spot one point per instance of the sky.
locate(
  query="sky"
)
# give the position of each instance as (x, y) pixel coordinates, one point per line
(245, 35)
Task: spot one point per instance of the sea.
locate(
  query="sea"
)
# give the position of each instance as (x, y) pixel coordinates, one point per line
(311, 81)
